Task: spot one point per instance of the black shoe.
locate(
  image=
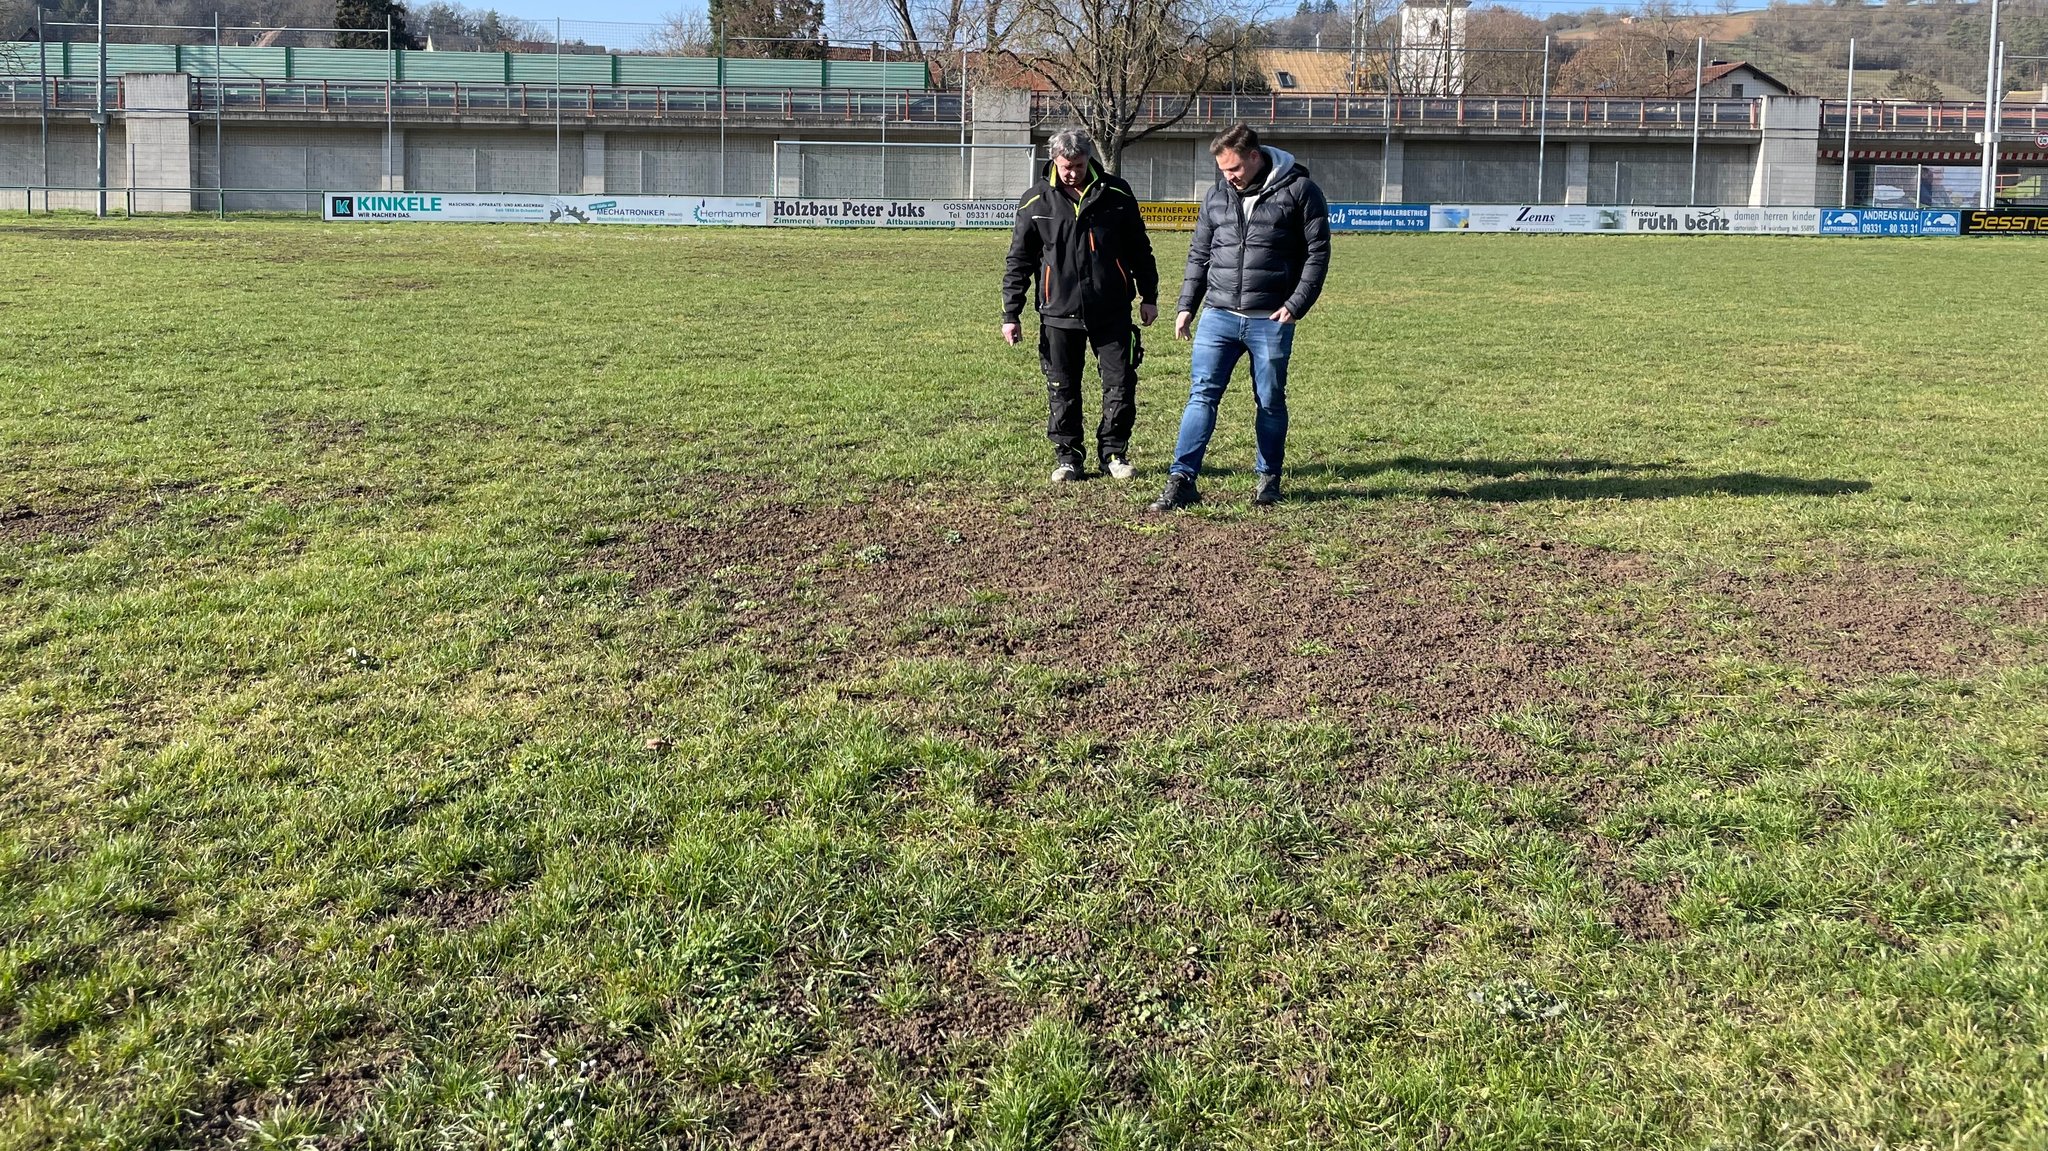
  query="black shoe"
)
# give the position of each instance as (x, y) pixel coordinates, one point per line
(1268, 492)
(1180, 492)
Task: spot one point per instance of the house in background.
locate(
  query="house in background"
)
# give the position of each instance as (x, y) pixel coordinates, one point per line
(1729, 79)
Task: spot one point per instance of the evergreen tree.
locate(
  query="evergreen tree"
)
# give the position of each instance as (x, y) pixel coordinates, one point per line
(369, 16)
(786, 28)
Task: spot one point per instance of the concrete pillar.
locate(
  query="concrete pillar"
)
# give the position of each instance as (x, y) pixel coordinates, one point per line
(593, 163)
(1578, 171)
(1001, 116)
(1391, 173)
(157, 126)
(1788, 157)
(395, 181)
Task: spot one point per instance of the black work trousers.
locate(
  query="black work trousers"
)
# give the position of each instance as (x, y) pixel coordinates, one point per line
(1061, 353)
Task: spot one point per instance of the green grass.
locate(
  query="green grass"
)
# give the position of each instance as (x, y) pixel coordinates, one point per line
(350, 791)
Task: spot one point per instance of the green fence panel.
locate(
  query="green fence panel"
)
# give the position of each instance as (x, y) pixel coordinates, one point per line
(774, 73)
(458, 67)
(342, 64)
(141, 58)
(77, 60)
(539, 68)
(673, 71)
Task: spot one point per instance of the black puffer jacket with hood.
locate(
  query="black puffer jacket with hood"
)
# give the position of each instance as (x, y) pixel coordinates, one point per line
(1090, 258)
(1277, 256)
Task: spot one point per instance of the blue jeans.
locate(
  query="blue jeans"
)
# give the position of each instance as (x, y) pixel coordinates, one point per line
(1220, 338)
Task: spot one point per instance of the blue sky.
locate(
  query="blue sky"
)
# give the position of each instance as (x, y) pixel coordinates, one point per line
(587, 17)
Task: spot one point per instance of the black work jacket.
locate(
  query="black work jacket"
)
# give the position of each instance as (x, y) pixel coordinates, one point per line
(1082, 262)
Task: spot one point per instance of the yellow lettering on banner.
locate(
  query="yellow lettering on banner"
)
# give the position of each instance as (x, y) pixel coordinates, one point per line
(1171, 215)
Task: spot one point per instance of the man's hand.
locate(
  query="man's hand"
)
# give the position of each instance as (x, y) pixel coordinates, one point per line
(1282, 316)
(1012, 333)
(1180, 325)
(1148, 313)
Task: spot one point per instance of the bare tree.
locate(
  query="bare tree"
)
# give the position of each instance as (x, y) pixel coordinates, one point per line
(1106, 58)
(1504, 53)
(684, 34)
(1652, 55)
(1375, 45)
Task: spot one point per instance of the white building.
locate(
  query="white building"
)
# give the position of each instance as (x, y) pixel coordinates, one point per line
(1432, 54)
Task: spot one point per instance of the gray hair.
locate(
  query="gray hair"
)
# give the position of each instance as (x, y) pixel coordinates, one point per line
(1071, 144)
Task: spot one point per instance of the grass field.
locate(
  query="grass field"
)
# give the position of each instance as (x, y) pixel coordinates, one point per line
(499, 687)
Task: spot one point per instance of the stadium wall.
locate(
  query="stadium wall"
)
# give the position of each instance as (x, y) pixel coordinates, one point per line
(277, 161)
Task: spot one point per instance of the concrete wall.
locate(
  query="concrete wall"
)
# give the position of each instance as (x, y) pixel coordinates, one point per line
(70, 164)
(1480, 172)
(294, 160)
(1662, 174)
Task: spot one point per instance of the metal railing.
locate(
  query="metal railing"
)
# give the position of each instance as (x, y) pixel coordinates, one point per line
(132, 201)
(1305, 110)
(585, 100)
(65, 95)
(1910, 118)
(1939, 118)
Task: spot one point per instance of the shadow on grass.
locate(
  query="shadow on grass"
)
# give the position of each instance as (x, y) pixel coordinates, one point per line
(1515, 481)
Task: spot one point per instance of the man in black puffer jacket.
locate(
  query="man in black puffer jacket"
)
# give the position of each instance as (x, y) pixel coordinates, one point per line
(1080, 236)
(1260, 252)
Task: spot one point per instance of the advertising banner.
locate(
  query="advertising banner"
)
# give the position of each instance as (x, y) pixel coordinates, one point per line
(743, 211)
(2005, 222)
(893, 213)
(482, 208)
(1522, 218)
(1870, 222)
(1170, 215)
(983, 213)
(1379, 217)
(1732, 220)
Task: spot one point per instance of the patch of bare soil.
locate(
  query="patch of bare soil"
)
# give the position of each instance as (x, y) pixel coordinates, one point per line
(962, 1022)
(22, 525)
(314, 432)
(1867, 621)
(809, 1115)
(114, 231)
(1153, 617)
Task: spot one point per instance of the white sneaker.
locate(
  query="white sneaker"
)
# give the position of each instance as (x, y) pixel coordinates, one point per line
(1066, 474)
(1119, 468)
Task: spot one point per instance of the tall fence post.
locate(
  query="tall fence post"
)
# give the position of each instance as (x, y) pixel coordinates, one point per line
(220, 109)
(1543, 121)
(1848, 120)
(558, 105)
(1699, 73)
(99, 113)
(1987, 194)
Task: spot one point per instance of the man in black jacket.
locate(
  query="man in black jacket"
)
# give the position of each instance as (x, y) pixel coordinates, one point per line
(1080, 237)
(1260, 252)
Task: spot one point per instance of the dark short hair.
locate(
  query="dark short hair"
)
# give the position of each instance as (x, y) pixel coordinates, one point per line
(1239, 138)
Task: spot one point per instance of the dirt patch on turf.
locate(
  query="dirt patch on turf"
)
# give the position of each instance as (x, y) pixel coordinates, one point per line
(313, 432)
(1866, 621)
(110, 232)
(23, 525)
(958, 1026)
(1149, 622)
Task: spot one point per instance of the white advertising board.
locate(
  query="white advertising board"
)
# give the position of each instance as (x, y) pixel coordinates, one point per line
(474, 207)
(1702, 220)
(1726, 220)
(745, 211)
(813, 213)
(1518, 218)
